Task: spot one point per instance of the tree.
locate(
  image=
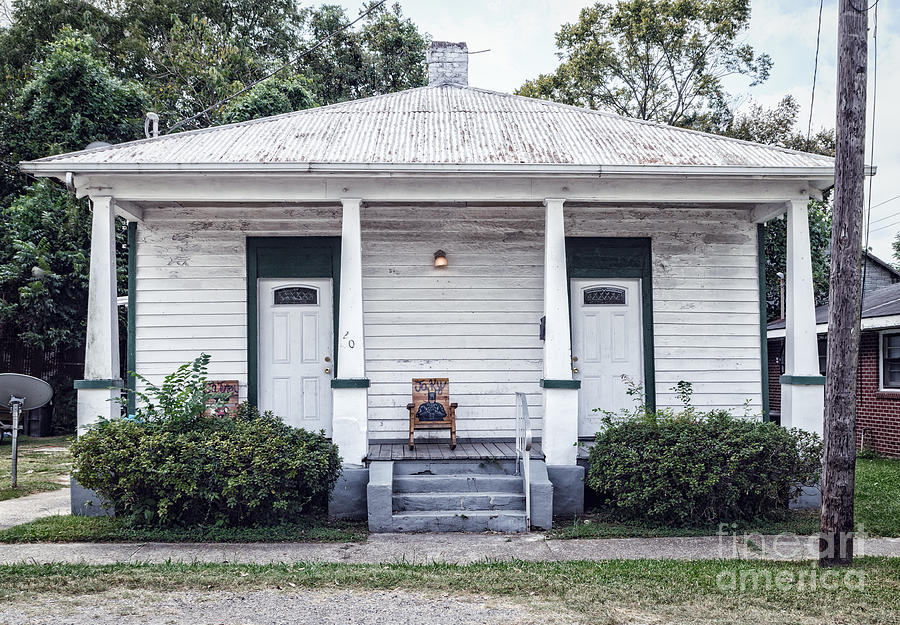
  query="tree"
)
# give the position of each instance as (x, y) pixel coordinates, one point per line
(387, 54)
(200, 63)
(44, 267)
(71, 100)
(895, 246)
(271, 97)
(775, 126)
(660, 60)
(191, 54)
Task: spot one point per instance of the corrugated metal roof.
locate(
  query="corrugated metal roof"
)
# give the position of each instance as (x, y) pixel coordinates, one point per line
(445, 125)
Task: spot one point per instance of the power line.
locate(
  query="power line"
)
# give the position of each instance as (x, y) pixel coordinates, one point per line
(812, 99)
(866, 9)
(890, 199)
(865, 265)
(305, 53)
(872, 144)
(893, 223)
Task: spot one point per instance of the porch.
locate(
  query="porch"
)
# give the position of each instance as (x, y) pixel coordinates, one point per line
(693, 273)
(435, 450)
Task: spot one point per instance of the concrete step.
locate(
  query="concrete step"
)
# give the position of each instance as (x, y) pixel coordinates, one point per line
(454, 467)
(459, 521)
(457, 483)
(414, 502)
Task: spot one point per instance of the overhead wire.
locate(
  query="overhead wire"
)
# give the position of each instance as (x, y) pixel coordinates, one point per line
(865, 265)
(812, 99)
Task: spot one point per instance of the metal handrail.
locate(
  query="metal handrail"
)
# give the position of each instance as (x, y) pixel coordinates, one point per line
(523, 451)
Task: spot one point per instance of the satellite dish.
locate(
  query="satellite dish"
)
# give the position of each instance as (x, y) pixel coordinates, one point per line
(20, 392)
(29, 392)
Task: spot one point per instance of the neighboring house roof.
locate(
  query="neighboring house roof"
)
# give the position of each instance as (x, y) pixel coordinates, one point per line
(883, 264)
(443, 125)
(882, 305)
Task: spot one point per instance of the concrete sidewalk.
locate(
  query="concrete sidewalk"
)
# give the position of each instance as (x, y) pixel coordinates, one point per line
(448, 548)
(31, 507)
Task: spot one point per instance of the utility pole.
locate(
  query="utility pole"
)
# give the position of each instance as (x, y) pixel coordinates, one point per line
(839, 464)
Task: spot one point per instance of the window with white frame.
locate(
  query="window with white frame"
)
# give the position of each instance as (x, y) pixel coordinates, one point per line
(890, 360)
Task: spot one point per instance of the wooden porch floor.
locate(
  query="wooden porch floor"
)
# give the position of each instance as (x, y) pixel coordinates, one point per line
(484, 450)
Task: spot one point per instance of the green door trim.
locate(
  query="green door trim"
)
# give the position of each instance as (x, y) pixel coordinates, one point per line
(287, 257)
(131, 338)
(598, 258)
(763, 319)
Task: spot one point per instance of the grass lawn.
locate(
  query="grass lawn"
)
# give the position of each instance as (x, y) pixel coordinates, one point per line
(637, 591)
(599, 525)
(103, 529)
(42, 465)
(877, 500)
(877, 508)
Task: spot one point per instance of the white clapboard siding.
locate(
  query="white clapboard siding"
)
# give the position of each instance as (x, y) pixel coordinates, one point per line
(476, 321)
(705, 298)
(422, 322)
(191, 282)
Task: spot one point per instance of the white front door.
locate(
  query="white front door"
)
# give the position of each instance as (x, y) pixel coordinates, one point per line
(296, 342)
(607, 343)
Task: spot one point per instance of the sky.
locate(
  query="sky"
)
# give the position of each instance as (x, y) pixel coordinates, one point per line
(520, 37)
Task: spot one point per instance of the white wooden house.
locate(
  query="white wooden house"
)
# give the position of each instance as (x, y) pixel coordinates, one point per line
(298, 251)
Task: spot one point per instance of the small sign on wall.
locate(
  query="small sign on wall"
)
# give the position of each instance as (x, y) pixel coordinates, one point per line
(229, 389)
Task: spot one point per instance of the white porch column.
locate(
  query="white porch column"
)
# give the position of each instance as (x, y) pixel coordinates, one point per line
(802, 386)
(101, 383)
(350, 418)
(560, 432)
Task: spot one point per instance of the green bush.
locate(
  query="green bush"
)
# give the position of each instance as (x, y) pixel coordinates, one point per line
(691, 468)
(190, 464)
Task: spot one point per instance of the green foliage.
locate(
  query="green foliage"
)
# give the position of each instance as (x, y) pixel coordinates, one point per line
(387, 54)
(661, 60)
(201, 63)
(72, 99)
(180, 462)
(895, 246)
(689, 468)
(775, 126)
(44, 262)
(50, 231)
(272, 97)
(36, 23)
(181, 401)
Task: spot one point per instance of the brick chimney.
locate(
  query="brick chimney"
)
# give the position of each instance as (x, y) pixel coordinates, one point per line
(448, 63)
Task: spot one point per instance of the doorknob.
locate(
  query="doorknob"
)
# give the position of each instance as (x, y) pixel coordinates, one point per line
(574, 358)
(327, 369)
(574, 369)
(327, 358)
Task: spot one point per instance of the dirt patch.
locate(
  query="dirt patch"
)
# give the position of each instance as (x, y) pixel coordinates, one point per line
(275, 607)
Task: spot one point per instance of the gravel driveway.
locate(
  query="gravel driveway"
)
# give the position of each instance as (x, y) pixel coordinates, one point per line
(274, 607)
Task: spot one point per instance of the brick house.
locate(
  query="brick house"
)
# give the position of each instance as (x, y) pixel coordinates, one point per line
(878, 382)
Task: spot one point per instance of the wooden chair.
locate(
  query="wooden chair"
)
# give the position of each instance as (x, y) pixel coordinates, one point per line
(431, 408)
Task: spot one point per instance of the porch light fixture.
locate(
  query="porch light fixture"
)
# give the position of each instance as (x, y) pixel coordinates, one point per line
(440, 259)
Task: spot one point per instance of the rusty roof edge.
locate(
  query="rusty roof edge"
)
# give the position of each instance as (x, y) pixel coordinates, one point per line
(52, 168)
